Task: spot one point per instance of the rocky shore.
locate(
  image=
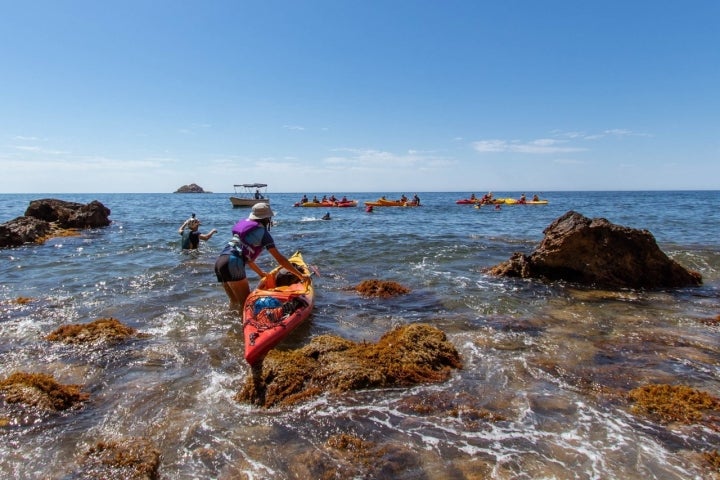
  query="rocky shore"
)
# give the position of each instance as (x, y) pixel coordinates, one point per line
(47, 218)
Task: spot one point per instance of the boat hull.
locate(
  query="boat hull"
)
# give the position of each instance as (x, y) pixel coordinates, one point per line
(275, 308)
(247, 202)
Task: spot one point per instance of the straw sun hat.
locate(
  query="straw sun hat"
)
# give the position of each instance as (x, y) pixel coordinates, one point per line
(260, 211)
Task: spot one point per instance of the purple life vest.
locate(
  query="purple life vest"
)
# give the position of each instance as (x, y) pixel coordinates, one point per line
(241, 229)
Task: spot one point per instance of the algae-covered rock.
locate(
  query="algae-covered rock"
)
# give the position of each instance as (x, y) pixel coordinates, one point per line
(406, 356)
(40, 390)
(381, 288)
(108, 330)
(674, 403)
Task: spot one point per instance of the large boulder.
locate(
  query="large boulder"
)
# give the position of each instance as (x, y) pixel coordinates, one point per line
(23, 230)
(70, 214)
(597, 252)
(51, 217)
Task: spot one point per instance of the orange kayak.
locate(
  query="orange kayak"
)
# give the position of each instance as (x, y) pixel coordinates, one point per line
(275, 308)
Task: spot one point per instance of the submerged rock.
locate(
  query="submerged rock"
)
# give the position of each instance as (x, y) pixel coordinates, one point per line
(42, 391)
(52, 218)
(132, 459)
(348, 456)
(409, 355)
(108, 330)
(598, 252)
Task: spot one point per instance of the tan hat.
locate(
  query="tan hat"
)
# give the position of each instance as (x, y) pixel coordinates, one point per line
(260, 211)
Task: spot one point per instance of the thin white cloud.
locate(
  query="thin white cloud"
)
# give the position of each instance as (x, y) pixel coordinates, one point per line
(23, 138)
(569, 161)
(371, 158)
(542, 146)
(36, 149)
(611, 132)
(194, 128)
(294, 127)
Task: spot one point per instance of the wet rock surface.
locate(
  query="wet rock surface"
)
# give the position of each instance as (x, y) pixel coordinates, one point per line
(409, 355)
(381, 288)
(675, 403)
(40, 390)
(108, 330)
(51, 218)
(131, 459)
(597, 252)
(70, 214)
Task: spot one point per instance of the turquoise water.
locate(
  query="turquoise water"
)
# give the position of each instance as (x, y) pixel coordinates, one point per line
(529, 348)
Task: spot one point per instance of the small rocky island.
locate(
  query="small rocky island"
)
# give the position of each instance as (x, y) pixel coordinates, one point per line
(192, 188)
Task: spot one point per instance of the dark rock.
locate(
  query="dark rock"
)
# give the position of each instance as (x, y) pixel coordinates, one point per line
(192, 188)
(70, 214)
(51, 217)
(598, 252)
(23, 230)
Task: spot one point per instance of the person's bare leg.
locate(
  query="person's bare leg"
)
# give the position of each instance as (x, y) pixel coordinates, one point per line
(237, 292)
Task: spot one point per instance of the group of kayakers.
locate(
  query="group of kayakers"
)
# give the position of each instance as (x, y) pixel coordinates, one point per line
(489, 199)
(325, 199)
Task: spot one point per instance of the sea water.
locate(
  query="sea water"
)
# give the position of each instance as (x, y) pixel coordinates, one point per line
(550, 360)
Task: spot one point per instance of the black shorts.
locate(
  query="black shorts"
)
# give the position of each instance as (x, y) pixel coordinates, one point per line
(229, 268)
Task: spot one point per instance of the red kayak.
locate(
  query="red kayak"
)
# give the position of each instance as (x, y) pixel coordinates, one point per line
(275, 308)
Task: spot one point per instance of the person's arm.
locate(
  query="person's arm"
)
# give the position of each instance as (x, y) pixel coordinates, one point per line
(287, 265)
(207, 236)
(182, 227)
(255, 268)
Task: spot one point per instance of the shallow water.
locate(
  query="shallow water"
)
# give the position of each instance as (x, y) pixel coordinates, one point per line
(549, 360)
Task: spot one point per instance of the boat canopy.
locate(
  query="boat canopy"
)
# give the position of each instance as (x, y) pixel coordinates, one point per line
(251, 185)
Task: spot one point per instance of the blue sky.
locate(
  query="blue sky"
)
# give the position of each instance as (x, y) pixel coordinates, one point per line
(359, 96)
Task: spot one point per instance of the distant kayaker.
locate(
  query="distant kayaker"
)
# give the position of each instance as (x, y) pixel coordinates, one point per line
(536, 198)
(326, 216)
(250, 236)
(522, 199)
(191, 236)
(416, 199)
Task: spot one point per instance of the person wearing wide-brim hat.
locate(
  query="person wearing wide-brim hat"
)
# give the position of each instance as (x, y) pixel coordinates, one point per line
(250, 236)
